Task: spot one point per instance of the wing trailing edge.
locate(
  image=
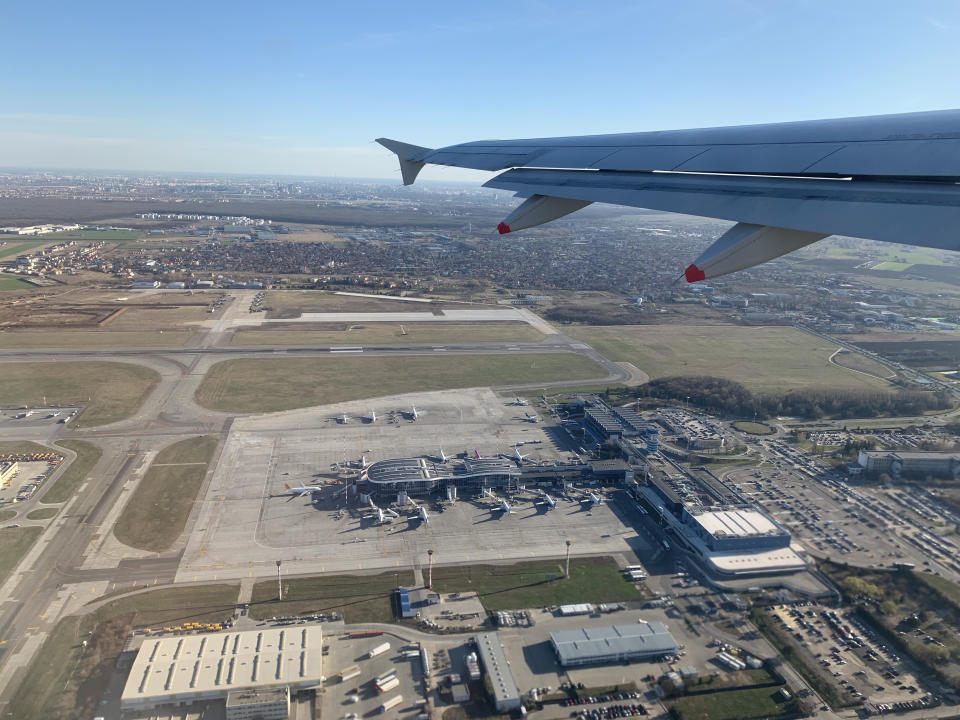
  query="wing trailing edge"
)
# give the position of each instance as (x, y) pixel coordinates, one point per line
(893, 178)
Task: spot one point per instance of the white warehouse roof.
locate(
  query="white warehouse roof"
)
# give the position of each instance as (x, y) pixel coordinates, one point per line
(209, 665)
(736, 523)
(614, 642)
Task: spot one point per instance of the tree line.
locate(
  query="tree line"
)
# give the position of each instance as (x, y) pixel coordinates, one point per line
(728, 397)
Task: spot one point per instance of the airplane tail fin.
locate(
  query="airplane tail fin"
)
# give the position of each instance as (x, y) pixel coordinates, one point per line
(287, 486)
(409, 168)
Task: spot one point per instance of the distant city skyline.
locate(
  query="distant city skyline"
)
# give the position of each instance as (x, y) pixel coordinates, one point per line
(302, 89)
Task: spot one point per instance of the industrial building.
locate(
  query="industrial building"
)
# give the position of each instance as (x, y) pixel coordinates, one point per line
(738, 529)
(262, 704)
(506, 695)
(7, 472)
(183, 669)
(613, 644)
(895, 464)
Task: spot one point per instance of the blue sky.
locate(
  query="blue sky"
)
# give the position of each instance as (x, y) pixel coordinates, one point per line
(303, 87)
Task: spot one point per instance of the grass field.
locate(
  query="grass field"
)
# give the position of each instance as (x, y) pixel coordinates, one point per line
(861, 363)
(540, 583)
(44, 513)
(66, 485)
(12, 282)
(7, 514)
(157, 513)
(358, 598)
(12, 447)
(753, 428)
(111, 391)
(15, 247)
(14, 543)
(732, 705)
(91, 338)
(762, 358)
(66, 681)
(261, 385)
(291, 303)
(393, 333)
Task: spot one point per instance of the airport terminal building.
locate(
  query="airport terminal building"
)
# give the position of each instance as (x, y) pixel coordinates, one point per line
(895, 464)
(418, 476)
(731, 537)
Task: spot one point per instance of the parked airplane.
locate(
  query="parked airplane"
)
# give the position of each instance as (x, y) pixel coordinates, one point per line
(518, 457)
(421, 511)
(477, 455)
(593, 499)
(892, 178)
(532, 418)
(373, 416)
(517, 401)
(504, 507)
(547, 500)
(414, 415)
(304, 490)
(343, 419)
(443, 457)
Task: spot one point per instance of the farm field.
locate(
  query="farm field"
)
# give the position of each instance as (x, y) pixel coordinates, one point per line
(110, 391)
(12, 282)
(393, 333)
(762, 358)
(261, 385)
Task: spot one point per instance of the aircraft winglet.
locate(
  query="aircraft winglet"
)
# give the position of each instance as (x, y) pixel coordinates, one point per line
(409, 169)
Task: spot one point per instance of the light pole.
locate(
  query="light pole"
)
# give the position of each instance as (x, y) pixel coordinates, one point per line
(566, 571)
(279, 584)
(430, 570)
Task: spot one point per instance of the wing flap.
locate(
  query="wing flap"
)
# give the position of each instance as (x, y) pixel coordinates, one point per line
(925, 214)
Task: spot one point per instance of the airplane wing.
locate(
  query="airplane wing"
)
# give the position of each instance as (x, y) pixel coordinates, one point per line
(888, 177)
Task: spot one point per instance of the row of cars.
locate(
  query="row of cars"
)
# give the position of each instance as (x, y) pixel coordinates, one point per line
(610, 712)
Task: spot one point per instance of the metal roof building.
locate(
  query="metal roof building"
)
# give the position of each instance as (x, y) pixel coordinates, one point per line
(183, 669)
(506, 695)
(614, 643)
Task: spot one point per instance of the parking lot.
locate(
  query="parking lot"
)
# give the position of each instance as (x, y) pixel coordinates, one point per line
(859, 664)
(27, 480)
(358, 696)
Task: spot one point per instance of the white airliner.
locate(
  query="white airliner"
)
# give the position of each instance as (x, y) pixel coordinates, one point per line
(343, 419)
(517, 401)
(518, 457)
(421, 511)
(894, 178)
(443, 457)
(304, 490)
(532, 418)
(547, 500)
(414, 415)
(504, 507)
(373, 416)
(593, 499)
